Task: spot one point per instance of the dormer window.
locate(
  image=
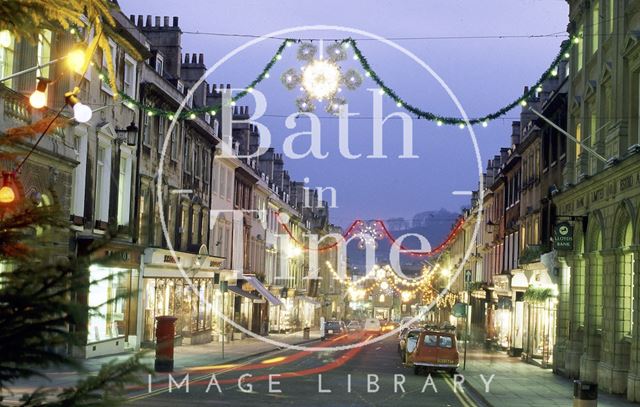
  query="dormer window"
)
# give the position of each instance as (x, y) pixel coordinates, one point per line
(159, 65)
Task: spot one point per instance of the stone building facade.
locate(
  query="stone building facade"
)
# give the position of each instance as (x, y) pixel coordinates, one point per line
(602, 196)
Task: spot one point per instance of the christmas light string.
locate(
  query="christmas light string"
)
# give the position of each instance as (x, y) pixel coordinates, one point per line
(531, 91)
(454, 231)
(360, 223)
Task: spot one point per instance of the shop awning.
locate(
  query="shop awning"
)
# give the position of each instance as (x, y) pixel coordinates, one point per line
(262, 290)
(311, 300)
(243, 293)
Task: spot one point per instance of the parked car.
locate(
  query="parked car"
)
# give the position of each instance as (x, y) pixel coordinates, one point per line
(432, 350)
(334, 328)
(372, 326)
(354, 326)
(402, 340)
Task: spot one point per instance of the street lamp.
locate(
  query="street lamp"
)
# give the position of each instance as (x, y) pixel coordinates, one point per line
(129, 134)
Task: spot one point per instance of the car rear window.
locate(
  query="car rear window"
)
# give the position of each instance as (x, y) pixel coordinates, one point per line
(430, 340)
(332, 325)
(445, 342)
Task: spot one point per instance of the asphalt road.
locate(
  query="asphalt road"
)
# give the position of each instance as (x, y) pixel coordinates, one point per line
(371, 375)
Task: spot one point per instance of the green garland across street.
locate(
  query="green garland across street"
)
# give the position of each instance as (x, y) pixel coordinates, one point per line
(552, 70)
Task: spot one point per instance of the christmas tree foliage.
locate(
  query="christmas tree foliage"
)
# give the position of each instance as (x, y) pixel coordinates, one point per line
(40, 316)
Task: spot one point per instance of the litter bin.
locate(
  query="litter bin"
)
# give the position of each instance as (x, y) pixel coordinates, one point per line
(305, 333)
(585, 394)
(165, 333)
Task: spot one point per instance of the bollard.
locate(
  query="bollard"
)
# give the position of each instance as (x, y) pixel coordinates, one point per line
(585, 394)
(165, 332)
(305, 333)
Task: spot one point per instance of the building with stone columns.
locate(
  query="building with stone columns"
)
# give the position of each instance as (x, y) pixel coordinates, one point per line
(602, 195)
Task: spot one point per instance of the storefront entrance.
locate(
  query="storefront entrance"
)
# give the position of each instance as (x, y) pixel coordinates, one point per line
(166, 291)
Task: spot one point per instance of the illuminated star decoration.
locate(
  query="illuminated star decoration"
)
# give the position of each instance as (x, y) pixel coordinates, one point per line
(368, 234)
(321, 79)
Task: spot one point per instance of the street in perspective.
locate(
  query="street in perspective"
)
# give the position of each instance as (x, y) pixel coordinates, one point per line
(359, 203)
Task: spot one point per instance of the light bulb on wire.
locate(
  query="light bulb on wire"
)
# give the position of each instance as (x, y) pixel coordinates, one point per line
(76, 59)
(81, 112)
(38, 98)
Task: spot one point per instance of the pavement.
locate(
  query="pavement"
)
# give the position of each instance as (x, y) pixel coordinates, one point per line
(185, 357)
(517, 383)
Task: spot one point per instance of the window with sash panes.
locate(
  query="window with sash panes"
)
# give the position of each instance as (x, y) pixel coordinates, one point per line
(161, 132)
(6, 61)
(174, 142)
(186, 155)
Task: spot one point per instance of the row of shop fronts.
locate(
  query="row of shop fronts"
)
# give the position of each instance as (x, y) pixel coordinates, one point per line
(135, 287)
(520, 311)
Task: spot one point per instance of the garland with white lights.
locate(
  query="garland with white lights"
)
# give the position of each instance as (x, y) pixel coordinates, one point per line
(291, 79)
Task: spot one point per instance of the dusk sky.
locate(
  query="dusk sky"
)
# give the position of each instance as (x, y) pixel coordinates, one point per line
(484, 74)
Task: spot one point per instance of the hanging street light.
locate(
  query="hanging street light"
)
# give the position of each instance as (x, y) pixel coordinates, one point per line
(130, 134)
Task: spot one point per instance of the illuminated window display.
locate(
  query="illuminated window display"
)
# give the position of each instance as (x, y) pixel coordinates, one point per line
(110, 299)
(173, 296)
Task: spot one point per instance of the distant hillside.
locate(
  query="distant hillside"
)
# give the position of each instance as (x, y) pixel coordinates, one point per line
(434, 225)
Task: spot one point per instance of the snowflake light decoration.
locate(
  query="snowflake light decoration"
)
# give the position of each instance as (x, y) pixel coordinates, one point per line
(368, 235)
(321, 78)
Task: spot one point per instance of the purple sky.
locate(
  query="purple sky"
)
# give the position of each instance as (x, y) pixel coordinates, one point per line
(484, 74)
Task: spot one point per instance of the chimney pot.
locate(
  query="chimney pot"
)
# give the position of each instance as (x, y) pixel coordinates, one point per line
(186, 58)
(157, 21)
(148, 21)
(132, 18)
(194, 58)
(201, 59)
(175, 21)
(166, 21)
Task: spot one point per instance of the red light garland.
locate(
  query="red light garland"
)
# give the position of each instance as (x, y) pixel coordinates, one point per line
(359, 222)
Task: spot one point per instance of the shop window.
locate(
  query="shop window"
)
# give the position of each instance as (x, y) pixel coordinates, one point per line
(109, 297)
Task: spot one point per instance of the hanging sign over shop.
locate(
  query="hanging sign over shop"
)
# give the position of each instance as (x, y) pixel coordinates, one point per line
(563, 236)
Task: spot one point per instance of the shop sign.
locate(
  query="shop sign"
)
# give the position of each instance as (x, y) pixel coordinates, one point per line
(169, 259)
(501, 284)
(563, 236)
